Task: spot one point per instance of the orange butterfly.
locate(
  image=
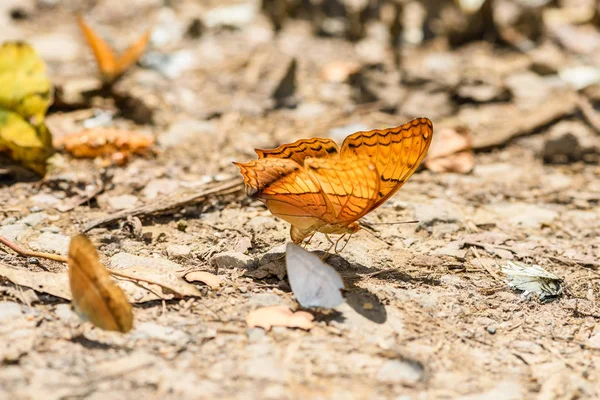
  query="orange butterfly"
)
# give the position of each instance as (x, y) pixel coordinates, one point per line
(95, 295)
(112, 67)
(317, 187)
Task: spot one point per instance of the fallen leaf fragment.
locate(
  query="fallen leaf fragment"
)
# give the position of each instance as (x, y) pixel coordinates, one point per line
(339, 71)
(267, 317)
(211, 280)
(118, 144)
(451, 151)
(25, 95)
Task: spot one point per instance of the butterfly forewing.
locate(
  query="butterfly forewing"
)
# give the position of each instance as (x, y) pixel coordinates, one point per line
(105, 57)
(314, 283)
(112, 67)
(95, 296)
(303, 148)
(396, 153)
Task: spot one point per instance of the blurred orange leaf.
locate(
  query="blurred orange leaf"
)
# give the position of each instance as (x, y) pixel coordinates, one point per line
(118, 144)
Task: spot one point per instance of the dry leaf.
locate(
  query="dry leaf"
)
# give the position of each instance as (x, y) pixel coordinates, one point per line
(451, 151)
(96, 297)
(267, 317)
(118, 144)
(339, 71)
(25, 95)
(43, 282)
(211, 280)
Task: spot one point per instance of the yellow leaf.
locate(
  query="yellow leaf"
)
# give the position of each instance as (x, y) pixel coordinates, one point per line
(24, 85)
(26, 144)
(25, 95)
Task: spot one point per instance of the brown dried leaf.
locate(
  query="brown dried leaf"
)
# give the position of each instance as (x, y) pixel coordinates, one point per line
(212, 280)
(267, 317)
(451, 151)
(118, 144)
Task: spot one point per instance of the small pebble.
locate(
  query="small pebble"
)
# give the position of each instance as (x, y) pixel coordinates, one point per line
(491, 329)
(33, 260)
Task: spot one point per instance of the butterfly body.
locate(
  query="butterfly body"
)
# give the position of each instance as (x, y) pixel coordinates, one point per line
(318, 187)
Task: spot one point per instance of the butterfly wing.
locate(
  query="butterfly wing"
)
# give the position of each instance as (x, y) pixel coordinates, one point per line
(301, 149)
(95, 296)
(105, 57)
(133, 53)
(314, 283)
(350, 186)
(287, 190)
(396, 153)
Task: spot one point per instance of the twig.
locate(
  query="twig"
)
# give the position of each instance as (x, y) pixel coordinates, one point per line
(485, 266)
(29, 253)
(168, 203)
(55, 257)
(587, 109)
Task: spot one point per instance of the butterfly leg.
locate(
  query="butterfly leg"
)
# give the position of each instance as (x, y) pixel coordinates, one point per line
(305, 244)
(344, 246)
(329, 248)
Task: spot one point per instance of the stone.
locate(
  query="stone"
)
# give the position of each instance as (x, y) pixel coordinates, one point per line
(34, 219)
(65, 313)
(265, 300)
(126, 260)
(232, 15)
(231, 259)
(182, 132)
(157, 187)
(43, 199)
(437, 211)
(122, 202)
(178, 250)
(52, 243)
(10, 310)
(526, 215)
(405, 372)
(12, 232)
(8, 221)
(152, 330)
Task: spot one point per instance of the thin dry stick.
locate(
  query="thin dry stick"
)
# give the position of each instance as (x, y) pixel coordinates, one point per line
(168, 203)
(485, 266)
(55, 257)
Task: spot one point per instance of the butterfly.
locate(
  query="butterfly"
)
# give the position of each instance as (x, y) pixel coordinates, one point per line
(96, 297)
(318, 187)
(314, 283)
(111, 66)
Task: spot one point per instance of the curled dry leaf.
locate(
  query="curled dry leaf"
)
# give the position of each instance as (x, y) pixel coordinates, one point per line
(451, 151)
(96, 297)
(117, 144)
(211, 280)
(339, 71)
(267, 317)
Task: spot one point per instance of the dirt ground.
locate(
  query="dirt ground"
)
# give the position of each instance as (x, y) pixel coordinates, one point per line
(428, 314)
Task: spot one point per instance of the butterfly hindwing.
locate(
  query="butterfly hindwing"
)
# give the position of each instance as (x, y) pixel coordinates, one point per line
(349, 185)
